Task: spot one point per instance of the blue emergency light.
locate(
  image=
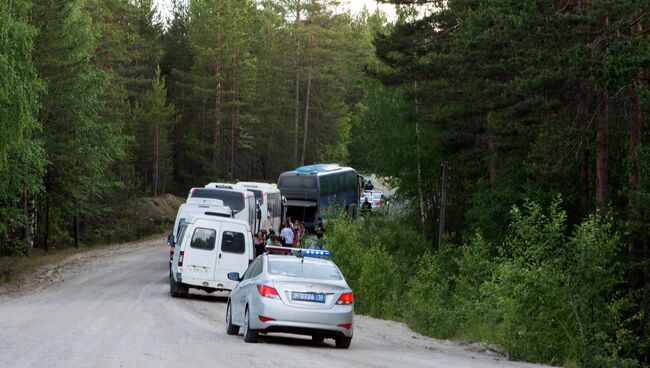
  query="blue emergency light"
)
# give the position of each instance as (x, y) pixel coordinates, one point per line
(316, 253)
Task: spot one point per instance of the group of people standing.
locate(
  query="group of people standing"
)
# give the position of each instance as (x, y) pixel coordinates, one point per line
(291, 235)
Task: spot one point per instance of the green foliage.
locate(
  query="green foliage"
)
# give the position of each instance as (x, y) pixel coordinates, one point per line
(154, 118)
(21, 155)
(547, 294)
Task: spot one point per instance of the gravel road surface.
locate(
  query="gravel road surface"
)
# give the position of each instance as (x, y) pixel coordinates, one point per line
(111, 308)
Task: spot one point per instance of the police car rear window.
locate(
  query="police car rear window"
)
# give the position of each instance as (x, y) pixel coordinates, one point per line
(203, 239)
(304, 270)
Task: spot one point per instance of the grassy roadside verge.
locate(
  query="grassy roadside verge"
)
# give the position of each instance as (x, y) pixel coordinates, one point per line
(137, 219)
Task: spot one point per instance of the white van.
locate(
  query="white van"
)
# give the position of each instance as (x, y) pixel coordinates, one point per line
(195, 207)
(271, 203)
(241, 201)
(208, 249)
(200, 206)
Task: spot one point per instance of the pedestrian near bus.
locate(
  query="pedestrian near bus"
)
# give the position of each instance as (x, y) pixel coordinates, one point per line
(287, 235)
(320, 228)
(260, 243)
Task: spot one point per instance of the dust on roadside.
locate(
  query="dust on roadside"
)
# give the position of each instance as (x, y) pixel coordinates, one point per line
(53, 273)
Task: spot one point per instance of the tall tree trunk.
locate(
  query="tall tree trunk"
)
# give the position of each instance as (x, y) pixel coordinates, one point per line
(233, 113)
(602, 134)
(307, 94)
(492, 144)
(27, 239)
(76, 231)
(156, 159)
(297, 86)
(635, 131)
(216, 138)
(602, 143)
(418, 160)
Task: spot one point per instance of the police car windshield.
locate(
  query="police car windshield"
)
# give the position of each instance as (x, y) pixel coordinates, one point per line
(232, 199)
(304, 270)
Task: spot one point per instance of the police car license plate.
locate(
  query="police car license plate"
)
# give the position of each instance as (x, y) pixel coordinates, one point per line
(308, 297)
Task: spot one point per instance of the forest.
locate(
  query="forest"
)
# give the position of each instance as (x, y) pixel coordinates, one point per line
(538, 107)
(105, 100)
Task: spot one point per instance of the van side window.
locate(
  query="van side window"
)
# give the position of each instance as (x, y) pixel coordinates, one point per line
(181, 232)
(203, 238)
(233, 242)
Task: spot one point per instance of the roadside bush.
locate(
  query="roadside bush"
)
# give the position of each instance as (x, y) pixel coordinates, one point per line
(544, 294)
(427, 299)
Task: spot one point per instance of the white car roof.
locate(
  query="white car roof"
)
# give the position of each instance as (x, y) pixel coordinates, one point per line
(229, 220)
(230, 186)
(255, 185)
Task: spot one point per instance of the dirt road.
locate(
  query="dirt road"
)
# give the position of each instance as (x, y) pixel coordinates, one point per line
(113, 309)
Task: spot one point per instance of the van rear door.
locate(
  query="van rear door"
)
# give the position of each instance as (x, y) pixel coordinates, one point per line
(201, 252)
(235, 251)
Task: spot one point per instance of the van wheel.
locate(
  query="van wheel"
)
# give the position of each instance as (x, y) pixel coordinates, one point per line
(343, 342)
(249, 335)
(176, 289)
(230, 328)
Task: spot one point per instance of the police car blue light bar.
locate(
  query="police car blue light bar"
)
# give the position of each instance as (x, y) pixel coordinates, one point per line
(298, 251)
(316, 253)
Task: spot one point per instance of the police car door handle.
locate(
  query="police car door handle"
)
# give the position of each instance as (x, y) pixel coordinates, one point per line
(219, 255)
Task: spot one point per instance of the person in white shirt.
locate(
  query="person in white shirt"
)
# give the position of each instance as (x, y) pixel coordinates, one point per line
(287, 235)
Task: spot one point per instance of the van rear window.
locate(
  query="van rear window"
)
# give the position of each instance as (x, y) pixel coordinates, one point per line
(234, 200)
(304, 270)
(233, 242)
(203, 239)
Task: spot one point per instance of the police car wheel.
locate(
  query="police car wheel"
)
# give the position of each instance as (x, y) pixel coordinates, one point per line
(249, 335)
(343, 342)
(230, 328)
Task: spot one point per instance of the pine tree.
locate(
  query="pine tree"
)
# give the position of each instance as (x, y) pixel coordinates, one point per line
(154, 119)
(80, 146)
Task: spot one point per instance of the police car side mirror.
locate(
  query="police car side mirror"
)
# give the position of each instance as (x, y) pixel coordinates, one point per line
(170, 240)
(234, 276)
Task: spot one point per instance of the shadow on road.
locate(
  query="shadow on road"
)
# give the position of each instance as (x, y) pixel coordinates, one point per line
(206, 297)
(296, 341)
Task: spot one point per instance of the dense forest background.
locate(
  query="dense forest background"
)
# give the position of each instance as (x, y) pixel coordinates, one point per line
(539, 107)
(104, 101)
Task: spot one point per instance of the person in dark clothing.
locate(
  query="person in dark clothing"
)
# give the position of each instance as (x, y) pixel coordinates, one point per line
(366, 207)
(369, 185)
(320, 228)
(260, 243)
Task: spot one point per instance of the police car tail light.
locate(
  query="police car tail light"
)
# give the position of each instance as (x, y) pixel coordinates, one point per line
(265, 318)
(268, 292)
(346, 299)
(181, 255)
(347, 326)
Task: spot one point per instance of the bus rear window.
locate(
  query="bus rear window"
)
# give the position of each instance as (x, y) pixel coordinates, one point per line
(297, 182)
(234, 200)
